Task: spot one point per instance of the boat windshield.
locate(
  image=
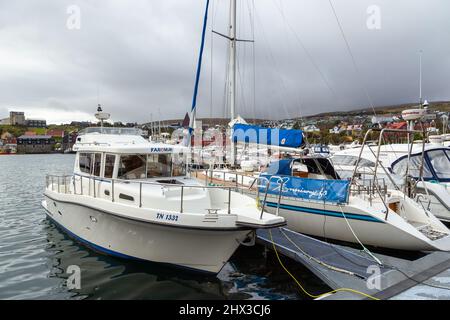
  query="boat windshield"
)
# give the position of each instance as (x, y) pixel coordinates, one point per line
(112, 130)
(439, 160)
(415, 162)
(346, 160)
(149, 166)
(132, 167)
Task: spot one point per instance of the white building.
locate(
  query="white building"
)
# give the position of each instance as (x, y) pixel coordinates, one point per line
(311, 128)
(5, 122)
(382, 119)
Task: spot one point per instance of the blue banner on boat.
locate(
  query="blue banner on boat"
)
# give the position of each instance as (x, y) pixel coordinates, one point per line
(268, 136)
(335, 191)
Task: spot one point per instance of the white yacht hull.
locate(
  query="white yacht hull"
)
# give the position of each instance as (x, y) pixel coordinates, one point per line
(204, 250)
(368, 224)
(436, 197)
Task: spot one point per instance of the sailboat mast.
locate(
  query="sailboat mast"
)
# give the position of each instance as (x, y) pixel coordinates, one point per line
(232, 74)
(232, 60)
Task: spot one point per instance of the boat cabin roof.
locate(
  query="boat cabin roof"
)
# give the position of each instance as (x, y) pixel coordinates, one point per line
(121, 141)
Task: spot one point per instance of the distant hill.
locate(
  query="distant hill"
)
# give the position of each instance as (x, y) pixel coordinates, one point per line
(443, 106)
(205, 121)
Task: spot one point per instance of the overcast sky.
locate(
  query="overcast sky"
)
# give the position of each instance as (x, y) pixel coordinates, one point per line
(138, 58)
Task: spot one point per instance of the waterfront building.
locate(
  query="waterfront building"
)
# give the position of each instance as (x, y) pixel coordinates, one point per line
(35, 144)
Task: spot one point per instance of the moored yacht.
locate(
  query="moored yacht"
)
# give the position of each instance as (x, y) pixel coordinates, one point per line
(133, 199)
(312, 197)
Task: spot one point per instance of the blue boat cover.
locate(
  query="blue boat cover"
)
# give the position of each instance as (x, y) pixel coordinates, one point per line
(268, 136)
(280, 167)
(334, 191)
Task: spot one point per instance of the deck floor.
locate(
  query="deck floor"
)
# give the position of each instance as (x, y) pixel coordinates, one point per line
(427, 292)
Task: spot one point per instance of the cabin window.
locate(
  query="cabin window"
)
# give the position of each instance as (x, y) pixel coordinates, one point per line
(159, 165)
(97, 164)
(109, 165)
(440, 163)
(85, 162)
(414, 167)
(132, 167)
(178, 166)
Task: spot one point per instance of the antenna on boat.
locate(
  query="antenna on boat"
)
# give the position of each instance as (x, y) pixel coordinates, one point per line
(420, 78)
(416, 114)
(159, 123)
(102, 116)
(151, 125)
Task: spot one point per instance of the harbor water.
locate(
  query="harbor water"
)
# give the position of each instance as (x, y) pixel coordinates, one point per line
(35, 255)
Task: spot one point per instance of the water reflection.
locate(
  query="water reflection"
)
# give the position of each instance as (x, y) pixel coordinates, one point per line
(247, 276)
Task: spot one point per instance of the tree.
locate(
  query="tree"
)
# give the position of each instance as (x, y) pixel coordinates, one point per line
(298, 125)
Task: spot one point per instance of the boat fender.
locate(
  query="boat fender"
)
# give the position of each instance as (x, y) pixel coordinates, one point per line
(249, 241)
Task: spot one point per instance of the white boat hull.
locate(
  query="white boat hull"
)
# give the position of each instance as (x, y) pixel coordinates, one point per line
(437, 196)
(326, 220)
(205, 250)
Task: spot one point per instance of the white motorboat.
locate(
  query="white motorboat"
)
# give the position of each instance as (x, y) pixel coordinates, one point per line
(133, 199)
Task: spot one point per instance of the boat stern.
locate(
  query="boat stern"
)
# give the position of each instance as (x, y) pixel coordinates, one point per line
(253, 218)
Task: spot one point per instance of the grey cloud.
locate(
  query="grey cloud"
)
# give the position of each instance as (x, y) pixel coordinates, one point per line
(142, 56)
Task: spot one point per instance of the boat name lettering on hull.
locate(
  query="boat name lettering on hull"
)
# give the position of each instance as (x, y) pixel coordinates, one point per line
(161, 150)
(168, 217)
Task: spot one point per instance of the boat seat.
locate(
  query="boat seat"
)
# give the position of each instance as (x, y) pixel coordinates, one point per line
(301, 174)
(394, 206)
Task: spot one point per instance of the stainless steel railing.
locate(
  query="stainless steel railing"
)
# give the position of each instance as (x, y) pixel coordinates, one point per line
(372, 187)
(369, 187)
(58, 182)
(68, 185)
(267, 191)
